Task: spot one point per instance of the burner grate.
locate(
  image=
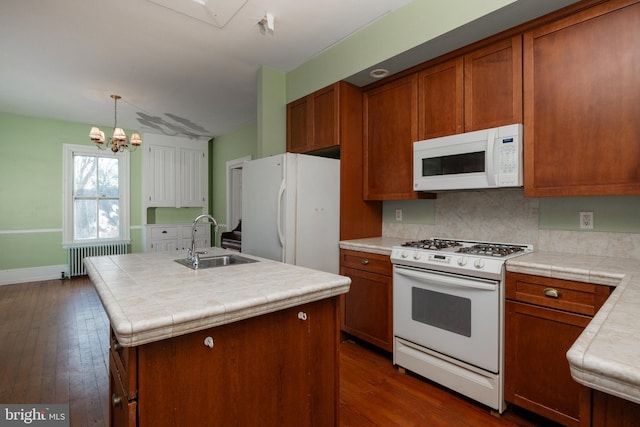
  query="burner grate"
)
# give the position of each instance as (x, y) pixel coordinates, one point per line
(433, 244)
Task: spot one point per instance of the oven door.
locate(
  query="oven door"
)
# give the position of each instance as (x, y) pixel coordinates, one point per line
(451, 314)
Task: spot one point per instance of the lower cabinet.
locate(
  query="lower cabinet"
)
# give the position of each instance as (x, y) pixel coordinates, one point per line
(175, 237)
(544, 317)
(278, 369)
(612, 411)
(366, 310)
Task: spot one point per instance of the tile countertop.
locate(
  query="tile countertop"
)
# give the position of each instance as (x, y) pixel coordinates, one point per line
(149, 297)
(606, 356)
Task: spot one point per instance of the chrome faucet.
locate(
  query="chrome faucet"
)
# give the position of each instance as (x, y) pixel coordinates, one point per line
(192, 255)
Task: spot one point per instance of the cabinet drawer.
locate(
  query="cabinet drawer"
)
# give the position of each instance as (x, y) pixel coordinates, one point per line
(122, 412)
(366, 261)
(202, 231)
(125, 363)
(164, 232)
(567, 295)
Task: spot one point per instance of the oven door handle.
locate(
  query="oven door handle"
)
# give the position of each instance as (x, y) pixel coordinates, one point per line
(438, 279)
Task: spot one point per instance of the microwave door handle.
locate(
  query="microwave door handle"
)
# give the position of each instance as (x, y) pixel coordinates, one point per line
(491, 161)
(437, 279)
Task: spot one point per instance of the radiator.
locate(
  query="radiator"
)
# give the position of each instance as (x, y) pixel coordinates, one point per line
(78, 253)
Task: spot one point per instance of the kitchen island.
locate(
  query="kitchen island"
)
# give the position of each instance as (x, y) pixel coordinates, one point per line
(244, 344)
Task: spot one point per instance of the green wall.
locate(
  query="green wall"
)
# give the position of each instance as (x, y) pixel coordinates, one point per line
(240, 143)
(31, 190)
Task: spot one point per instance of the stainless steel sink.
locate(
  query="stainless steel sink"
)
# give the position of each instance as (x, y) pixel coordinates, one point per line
(216, 261)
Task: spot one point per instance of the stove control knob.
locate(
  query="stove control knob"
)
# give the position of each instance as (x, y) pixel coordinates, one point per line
(404, 254)
(462, 261)
(479, 263)
(417, 255)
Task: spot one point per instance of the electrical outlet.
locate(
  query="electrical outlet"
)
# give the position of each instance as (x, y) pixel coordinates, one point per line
(586, 220)
(398, 214)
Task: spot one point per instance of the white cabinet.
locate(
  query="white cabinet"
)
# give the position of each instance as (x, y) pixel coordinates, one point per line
(176, 237)
(175, 172)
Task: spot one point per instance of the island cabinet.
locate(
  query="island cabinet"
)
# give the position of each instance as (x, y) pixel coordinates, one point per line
(366, 310)
(544, 317)
(278, 369)
(479, 90)
(390, 129)
(581, 109)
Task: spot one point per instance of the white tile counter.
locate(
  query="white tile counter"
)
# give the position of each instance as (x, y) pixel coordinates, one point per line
(606, 356)
(149, 297)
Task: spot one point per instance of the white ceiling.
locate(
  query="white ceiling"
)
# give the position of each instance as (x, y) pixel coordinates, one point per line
(176, 73)
(187, 67)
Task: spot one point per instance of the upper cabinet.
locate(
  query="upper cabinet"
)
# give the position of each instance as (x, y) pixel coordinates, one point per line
(313, 121)
(390, 128)
(175, 172)
(331, 119)
(479, 90)
(582, 103)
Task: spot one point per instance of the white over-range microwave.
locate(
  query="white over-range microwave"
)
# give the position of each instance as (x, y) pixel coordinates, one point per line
(489, 158)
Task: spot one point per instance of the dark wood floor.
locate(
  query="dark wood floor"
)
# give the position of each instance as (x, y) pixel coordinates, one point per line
(54, 343)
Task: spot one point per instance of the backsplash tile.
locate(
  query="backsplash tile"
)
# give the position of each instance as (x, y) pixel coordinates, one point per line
(508, 216)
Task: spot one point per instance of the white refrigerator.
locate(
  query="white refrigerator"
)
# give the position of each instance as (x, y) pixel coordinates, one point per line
(291, 210)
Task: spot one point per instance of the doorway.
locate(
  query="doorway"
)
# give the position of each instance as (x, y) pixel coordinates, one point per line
(234, 191)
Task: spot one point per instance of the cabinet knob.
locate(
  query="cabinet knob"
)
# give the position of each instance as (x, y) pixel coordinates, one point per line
(116, 400)
(208, 341)
(551, 293)
(364, 261)
(302, 315)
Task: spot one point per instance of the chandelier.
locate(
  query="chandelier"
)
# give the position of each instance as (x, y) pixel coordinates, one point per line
(118, 142)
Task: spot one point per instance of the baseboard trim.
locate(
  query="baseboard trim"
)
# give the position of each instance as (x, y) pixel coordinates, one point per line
(33, 274)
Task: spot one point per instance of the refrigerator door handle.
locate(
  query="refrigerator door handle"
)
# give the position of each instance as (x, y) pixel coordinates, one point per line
(279, 213)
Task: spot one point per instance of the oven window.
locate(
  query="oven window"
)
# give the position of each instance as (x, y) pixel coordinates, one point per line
(454, 164)
(443, 311)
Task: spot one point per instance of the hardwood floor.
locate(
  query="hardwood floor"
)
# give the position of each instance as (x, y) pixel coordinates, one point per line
(54, 349)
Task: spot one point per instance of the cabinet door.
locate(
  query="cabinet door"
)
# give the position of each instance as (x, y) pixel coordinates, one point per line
(493, 85)
(298, 134)
(280, 369)
(581, 91)
(390, 129)
(161, 176)
(537, 375)
(367, 310)
(440, 100)
(325, 118)
(193, 177)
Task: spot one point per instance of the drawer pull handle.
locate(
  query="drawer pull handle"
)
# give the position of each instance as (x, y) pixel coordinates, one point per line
(116, 345)
(164, 231)
(302, 315)
(116, 400)
(364, 261)
(551, 293)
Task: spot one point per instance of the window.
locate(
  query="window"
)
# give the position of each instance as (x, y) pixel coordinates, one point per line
(96, 195)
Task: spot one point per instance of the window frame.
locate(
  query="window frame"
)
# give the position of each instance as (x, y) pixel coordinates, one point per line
(124, 180)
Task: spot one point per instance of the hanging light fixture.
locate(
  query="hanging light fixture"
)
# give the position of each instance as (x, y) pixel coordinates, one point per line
(118, 142)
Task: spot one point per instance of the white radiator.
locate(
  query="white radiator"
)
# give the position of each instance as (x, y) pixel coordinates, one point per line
(79, 253)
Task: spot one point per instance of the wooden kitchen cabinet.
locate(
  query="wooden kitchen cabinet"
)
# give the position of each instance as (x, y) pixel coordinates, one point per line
(313, 122)
(581, 109)
(277, 369)
(479, 90)
(544, 317)
(390, 129)
(366, 310)
(612, 411)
